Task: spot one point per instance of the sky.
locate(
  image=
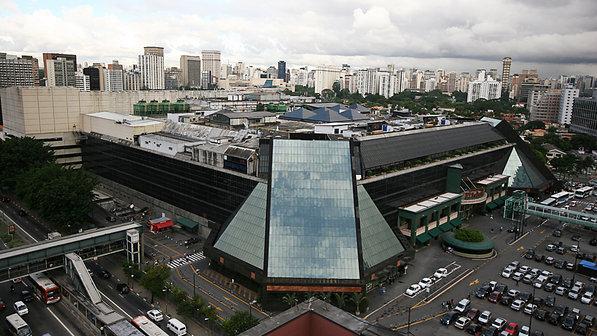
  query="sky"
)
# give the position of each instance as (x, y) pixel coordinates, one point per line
(553, 36)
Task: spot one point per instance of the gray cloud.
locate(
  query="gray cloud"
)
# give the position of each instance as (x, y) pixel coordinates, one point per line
(556, 35)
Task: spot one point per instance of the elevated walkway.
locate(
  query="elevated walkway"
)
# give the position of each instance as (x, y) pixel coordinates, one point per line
(50, 254)
(77, 271)
(567, 216)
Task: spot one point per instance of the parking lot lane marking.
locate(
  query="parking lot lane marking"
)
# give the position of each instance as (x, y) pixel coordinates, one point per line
(474, 282)
(419, 322)
(60, 321)
(459, 278)
(114, 303)
(384, 305)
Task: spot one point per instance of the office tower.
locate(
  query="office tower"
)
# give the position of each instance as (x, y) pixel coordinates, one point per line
(151, 65)
(569, 92)
(584, 115)
(506, 65)
(82, 81)
(113, 79)
(173, 78)
(131, 80)
(451, 85)
(325, 78)
(60, 72)
(190, 68)
(15, 71)
(282, 70)
(493, 73)
(210, 63)
(367, 81)
(115, 66)
(544, 104)
(483, 87)
(54, 56)
(462, 82)
(94, 77)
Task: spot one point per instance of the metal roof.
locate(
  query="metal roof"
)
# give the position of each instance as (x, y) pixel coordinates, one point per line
(431, 202)
(389, 149)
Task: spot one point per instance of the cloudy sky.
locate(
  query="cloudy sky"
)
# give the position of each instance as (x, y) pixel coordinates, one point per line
(554, 36)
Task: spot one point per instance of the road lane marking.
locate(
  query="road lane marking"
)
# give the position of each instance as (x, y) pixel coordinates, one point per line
(227, 298)
(428, 300)
(418, 322)
(17, 225)
(114, 303)
(60, 321)
(474, 282)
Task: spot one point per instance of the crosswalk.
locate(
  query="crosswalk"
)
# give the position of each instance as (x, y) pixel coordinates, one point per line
(186, 260)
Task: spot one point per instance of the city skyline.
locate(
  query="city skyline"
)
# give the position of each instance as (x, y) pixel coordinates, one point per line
(408, 34)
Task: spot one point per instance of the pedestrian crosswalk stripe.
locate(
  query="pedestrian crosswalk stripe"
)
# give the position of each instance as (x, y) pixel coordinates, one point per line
(186, 260)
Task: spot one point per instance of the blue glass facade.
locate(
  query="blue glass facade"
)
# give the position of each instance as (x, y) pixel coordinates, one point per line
(312, 224)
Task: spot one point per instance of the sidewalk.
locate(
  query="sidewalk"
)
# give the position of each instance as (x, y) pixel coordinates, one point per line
(223, 281)
(166, 307)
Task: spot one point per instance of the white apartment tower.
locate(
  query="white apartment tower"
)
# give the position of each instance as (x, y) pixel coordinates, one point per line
(566, 103)
(151, 65)
(61, 72)
(484, 87)
(211, 63)
(82, 82)
(325, 78)
(386, 83)
(113, 80)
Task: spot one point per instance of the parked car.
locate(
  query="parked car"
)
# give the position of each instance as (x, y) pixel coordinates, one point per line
(425, 283)
(561, 250)
(550, 301)
(495, 297)
(506, 300)
(559, 264)
(517, 276)
(483, 291)
(550, 247)
(462, 322)
(557, 233)
(155, 315)
(473, 314)
(20, 308)
(513, 292)
(539, 257)
(540, 314)
(507, 272)
(490, 331)
(530, 308)
(574, 293)
(484, 317)
(525, 296)
(517, 305)
(449, 318)
(587, 297)
(569, 322)
(123, 288)
(441, 273)
(26, 296)
(499, 323)
(463, 306)
(474, 329)
(569, 266)
(549, 287)
(524, 331)
(550, 260)
(412, 290)
(512, 328)
(560, 291)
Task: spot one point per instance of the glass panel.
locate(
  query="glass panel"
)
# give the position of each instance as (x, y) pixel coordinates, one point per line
(312, 232)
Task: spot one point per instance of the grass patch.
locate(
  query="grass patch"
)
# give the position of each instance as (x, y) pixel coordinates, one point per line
(11, 240)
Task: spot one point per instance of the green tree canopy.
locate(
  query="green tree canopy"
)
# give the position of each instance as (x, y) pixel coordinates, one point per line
(155, 278)
(469, 235)
(62, 196)
(239, 322)
(17, 155)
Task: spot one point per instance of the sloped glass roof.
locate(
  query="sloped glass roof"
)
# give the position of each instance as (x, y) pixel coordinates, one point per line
(244, 236)
(521, 171)
(312, 226)
(377, 239)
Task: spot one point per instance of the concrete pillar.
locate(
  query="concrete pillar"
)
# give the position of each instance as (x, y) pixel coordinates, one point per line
(133, 246)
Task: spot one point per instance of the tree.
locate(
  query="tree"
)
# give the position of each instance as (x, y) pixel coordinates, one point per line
(290, 299)
(63, 197)
(469, 235)
(18, 155)
(339, 300)
(240, 322)
(531, 125)
(260, 107)
(327, 95)
(155, 278)
(360, 302)
(336, 88)
(564, 165)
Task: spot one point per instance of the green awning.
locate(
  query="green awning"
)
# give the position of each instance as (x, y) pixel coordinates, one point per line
(434, 232)
(423, 238)
(500, 201)
(446, 227)
(187, 224)
(456, 222)
(491, 205)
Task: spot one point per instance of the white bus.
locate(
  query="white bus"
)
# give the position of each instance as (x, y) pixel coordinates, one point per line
(549, 202)
(17, 326)
(147, 327)
(562, 197)
(583, 192)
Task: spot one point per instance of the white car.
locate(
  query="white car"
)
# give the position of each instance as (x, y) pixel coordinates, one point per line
(513, 292)
(21, 308)
(530, 308)
(492, 284)
(524, 269)
(517, 305)
(499, 323)
(462, 322)
(574, 248)
(412, 290)
(425, 282)
(586, 298)
(507, 272)
(574, 293)
(485, 317)
(441, 273)
(155, 315)
(524, 331)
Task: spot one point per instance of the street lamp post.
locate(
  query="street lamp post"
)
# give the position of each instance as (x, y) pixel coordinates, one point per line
(165, 290)
(408, 324)
(132, 281)
(531, 315)
(251, 306)
(575, 263)
(193, 283)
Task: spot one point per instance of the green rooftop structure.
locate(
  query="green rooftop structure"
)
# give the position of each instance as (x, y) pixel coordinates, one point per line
(155, 108)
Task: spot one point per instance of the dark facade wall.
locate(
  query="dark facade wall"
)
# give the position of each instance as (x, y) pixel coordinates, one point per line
(391, 193)
(94, 79)
(310, 324)
(206, 192)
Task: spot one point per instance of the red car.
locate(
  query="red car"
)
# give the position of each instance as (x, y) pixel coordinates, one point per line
(495, 297)
(512, 328)
(2, 304)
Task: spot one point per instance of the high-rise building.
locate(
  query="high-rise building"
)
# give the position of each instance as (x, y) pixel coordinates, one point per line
(584, 115)
(325, 78)
(82, 81)
(483, 87)
(54, 56)
(60, 72)
(386, 83)
(132, 80)
(506, 65)
(282, 70)
(113, 79)
(210, 62)
(190, 67)
(172, 79)
(451, 84)
(151, 65)
(94, 77)
(367, 81)
(544, 104)
(115, 66)
(15, 71)
(567, 104)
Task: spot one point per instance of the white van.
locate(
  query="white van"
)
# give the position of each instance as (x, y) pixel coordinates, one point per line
(463, 306)
(177, 327)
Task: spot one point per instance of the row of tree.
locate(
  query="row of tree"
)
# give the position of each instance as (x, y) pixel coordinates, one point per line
(354, 303)
(63, 197)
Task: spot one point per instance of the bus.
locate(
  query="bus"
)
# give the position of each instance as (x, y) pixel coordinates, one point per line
(562, 197)
(17, 326)
(45, 289)
(549, 202)
(147, 327)
(583, 192)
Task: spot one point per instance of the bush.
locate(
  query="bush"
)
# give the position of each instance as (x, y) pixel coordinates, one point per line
(469, 235)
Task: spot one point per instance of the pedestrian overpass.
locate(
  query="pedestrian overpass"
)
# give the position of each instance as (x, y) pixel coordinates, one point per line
(518, 207)
(51, 254)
